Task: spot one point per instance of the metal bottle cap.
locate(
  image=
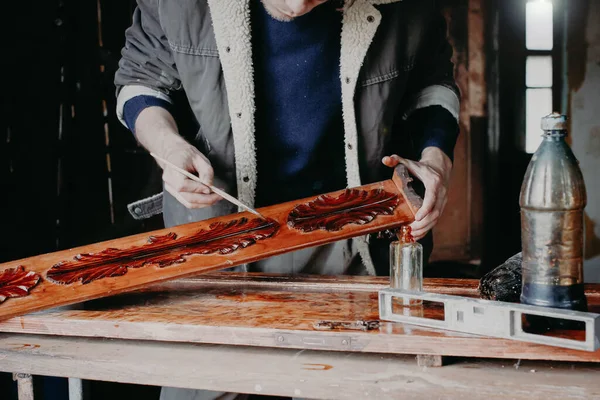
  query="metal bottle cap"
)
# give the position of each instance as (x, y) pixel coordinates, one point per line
(554, 122)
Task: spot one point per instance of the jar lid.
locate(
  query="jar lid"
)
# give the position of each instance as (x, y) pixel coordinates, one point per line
(554, 122)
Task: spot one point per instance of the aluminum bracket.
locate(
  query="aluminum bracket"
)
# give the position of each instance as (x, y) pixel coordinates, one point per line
(489, 318)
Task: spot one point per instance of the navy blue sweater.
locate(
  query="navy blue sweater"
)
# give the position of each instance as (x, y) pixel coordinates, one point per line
(299, 126)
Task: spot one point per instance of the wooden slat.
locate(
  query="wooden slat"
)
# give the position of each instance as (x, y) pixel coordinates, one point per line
(285, 372)
(280, 311)
(48, 294)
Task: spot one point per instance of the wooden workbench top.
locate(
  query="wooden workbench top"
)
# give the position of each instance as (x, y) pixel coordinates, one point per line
(302, 312)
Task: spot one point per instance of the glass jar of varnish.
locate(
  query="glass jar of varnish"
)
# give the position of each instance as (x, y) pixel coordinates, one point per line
(406, 264)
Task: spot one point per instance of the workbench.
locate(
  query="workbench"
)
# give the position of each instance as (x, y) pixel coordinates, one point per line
(297, 336)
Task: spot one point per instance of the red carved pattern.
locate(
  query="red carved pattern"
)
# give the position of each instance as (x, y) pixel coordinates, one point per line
(353, 206)
(221, 237)
(16, 282)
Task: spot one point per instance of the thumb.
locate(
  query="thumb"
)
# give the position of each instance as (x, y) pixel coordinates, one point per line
(413, 167)
(203, 168)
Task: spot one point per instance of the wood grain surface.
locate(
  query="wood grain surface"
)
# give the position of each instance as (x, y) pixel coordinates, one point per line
(301, 312)
(293, 373)
(121, 265)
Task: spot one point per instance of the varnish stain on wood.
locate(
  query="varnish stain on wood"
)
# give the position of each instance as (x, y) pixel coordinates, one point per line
(351, 325)
(221, 306)
(162, 251)
(352, 206)
(24, 346)
(317, 367)
(261, 297)
(16, 282)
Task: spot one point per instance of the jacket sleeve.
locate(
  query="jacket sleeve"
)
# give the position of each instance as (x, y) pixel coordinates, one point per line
(431, 82)
(147, 66)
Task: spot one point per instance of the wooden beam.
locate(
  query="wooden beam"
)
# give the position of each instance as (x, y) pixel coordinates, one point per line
(285, 372)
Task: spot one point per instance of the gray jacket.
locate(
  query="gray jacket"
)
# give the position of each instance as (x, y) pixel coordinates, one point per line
(395, 58)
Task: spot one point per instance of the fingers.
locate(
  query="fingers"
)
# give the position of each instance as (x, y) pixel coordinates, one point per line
(189, 192)
(434, 190)
(431, 179)
(180, 183)
(204, 169)
(420, 228)
(176, 194)
(193, 200)
(436, 196)
(417, 169)
(391, 161)
(394, 160)
(200, 200)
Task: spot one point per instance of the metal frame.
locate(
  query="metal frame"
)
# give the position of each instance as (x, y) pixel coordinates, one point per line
(490, 318)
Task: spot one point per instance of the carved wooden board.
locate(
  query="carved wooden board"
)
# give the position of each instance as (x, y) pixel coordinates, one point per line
(126, 264)
(303, 312)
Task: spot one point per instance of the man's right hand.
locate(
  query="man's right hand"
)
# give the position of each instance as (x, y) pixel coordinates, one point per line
(157, 132)
(189, 193)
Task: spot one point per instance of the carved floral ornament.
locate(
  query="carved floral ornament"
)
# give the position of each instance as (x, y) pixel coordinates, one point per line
(162, 251)
(16, 282)
(326, 212)
(353, 206)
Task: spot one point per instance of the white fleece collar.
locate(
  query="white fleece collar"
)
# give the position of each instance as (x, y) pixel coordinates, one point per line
(231, 23)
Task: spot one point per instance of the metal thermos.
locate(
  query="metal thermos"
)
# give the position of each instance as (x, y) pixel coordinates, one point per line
(552, 201)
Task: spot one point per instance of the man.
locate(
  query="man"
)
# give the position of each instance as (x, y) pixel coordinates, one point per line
(276, 100)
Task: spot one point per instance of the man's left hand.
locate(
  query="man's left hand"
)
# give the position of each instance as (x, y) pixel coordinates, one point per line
(433, 169)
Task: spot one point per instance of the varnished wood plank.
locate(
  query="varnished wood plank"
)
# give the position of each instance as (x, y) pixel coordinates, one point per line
(133, 262)
(458, 287)
(285, 372)
(452, 286)
(281, 311)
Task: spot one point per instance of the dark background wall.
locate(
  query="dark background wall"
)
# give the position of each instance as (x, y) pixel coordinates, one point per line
(68, 167)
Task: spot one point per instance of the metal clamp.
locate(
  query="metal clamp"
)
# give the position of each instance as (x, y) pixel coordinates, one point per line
(490, 318)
